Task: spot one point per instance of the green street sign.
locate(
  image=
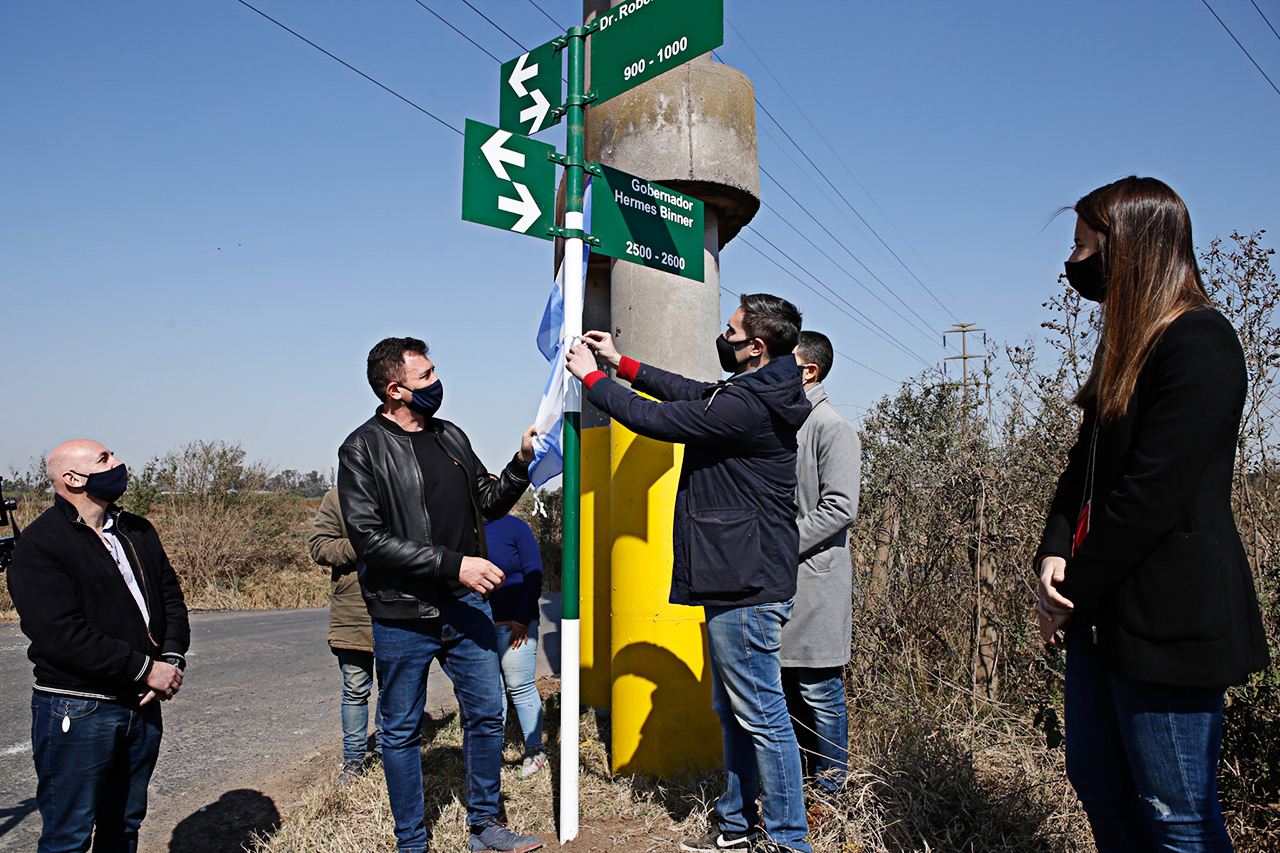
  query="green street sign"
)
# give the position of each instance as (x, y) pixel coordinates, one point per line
(646, 223)
(640, 39)
(508, 181)
(530, 91)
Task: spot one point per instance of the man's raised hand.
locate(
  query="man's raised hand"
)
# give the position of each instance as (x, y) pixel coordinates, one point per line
(479, 574)
(601, 344)
(580, 361)
(526, 444)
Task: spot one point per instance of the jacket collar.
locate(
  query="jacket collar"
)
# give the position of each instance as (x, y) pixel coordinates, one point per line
(73, 515)
(392, 428)
(816, 394)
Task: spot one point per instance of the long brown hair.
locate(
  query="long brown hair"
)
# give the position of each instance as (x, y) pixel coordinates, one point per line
(1152, 279)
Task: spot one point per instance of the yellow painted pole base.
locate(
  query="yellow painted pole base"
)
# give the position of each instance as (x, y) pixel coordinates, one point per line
(662, 717)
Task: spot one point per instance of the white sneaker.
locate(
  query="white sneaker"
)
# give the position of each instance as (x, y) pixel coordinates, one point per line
(533, 762)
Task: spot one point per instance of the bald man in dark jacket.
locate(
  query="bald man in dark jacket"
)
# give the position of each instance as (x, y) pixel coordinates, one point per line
(108, 628)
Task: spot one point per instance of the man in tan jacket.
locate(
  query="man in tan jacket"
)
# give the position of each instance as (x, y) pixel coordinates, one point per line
(350, 633)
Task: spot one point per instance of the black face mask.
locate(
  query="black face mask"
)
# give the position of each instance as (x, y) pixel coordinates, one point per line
(1087, 277)
(426, 401)
(106, 485)
(728, 353)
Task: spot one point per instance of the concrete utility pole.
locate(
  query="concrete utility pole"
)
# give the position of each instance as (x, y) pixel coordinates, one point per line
(692, 129)
(964, 329)
(986, 640)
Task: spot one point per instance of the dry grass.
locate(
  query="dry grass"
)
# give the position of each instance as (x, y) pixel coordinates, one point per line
(960, 777)
(231, 552)
(634, 813)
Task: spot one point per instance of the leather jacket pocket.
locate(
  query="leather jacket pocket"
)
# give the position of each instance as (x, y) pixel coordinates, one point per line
(722, 552)
(1177, 593)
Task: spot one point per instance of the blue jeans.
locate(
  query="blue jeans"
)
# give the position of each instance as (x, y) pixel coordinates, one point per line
(518, 672)
(357, 685)
(815, 698)
(463, 638)
(1143, 758)
(760, 751)
(93, 762)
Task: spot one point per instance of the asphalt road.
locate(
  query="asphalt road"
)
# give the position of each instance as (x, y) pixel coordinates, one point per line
(258, 715)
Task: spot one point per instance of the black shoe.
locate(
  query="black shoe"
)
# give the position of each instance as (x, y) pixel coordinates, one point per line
(718, 840)
(492, 836)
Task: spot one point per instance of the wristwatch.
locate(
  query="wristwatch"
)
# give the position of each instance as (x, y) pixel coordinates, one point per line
(175, 659)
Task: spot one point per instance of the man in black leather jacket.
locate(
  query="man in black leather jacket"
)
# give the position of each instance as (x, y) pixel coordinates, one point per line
(414, 497)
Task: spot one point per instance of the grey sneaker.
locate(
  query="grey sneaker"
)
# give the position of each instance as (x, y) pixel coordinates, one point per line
(351, 771)
(533, 762)
(718, 840)
(494, 837)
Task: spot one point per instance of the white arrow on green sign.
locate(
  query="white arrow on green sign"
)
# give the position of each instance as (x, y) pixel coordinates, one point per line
(530, 91)
(508, 181)
(640, 39)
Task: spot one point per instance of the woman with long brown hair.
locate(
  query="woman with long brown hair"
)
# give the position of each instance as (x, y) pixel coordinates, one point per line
(1143, 578)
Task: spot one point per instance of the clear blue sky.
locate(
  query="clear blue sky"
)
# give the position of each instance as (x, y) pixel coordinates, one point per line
(205, 223)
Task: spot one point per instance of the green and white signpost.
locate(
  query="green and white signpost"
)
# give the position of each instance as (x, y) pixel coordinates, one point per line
(508, 182)
(646, 223)
(529, 99)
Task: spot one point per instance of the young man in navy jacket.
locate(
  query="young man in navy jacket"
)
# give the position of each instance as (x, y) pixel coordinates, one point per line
(736, 543)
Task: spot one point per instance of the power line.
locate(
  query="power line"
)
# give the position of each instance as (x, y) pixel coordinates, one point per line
(842, 162)
(495, 26)
(547, 16)
(838, 266)
(841, 244)
(836, 351)
(1237, 41)
(458, 31)
(861, 318)
(850, 205)
(802, 207)
(866, 321)
(826, 194)
(847, 250)
(1264, 17)
(469, 38)
(353, 68)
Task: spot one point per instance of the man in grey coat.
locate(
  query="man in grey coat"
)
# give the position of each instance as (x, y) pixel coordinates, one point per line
(815, 643)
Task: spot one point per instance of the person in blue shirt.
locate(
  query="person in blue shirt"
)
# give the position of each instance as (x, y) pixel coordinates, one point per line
(513, 548)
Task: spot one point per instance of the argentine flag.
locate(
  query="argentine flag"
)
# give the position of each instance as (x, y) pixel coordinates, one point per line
(548, 455)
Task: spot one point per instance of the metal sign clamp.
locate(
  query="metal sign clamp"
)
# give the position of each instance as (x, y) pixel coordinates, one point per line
(572, 234)
(563, 160)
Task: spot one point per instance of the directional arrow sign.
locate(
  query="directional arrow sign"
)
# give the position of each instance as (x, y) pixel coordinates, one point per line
(530, 90)
(640, 39)
(508, 181)
(647, 223)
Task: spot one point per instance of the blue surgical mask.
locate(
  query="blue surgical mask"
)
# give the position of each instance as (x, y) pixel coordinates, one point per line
(426, 401)
(106, 485)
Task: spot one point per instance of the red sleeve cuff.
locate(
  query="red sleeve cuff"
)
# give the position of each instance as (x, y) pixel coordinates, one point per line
(628, 368)
(592, 378)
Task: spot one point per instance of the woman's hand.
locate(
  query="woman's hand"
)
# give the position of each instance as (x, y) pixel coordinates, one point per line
(519, 633)
(1052, 608)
